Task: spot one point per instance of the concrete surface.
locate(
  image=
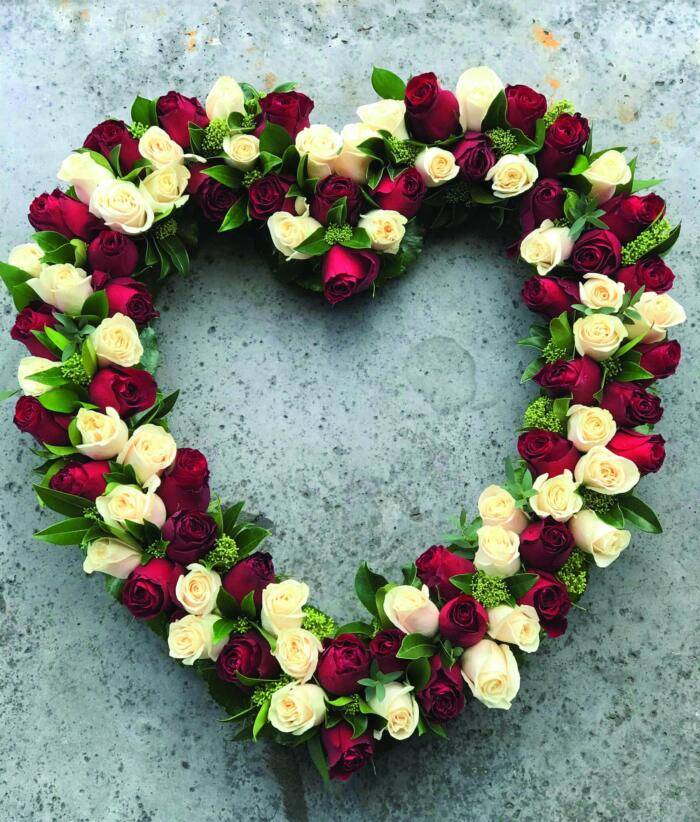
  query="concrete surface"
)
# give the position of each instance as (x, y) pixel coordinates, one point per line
(357, 430)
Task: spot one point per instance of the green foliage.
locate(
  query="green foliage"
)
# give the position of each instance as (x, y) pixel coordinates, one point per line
(657, 239)
(574, 573)
(556, 109)
(540, 414)
(387, 84)
(214, 135)
(319, 624)
(489, 591)
(504, 141)
(223, 555)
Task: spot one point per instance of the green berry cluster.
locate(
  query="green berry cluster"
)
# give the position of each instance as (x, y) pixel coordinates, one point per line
(556, 109)
(74, 370)
(352, 708)
(214, 136)
(643, 243)
(223, 554)
(249, 120)
(264, 692)
(157, 548)
(612, 368)
(165, 228)
(251, 176)
(489, 591)
(318, 623)
(458, 192)
(403, 152)
(574, 573)
(338, 234)
(137, 130)
(240, 625)
(540, 414)
(599, 503)
(503, 140)
(552, 352)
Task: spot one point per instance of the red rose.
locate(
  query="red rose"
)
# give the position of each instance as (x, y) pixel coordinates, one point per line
(525, 106)
(331, 189)
(346, 754)
(268, 195)
(652, 273)
(544, 201)
(149, 589)
(550, 296)
(474, 155)
(84, 479)
(597, 251)
(628, 215)
(130, 297)
(114, 253)
(563, 141)
(289, 109)
(463, 621)
(250, 654)
(347, 271)
(59, 212)
(580, 377)
(550, 599)
(253, 573)
(128, 390)
(660, 358)
(190, 534)
(432, 113)
(32, 418)
(546, 452)
(546, 544)
(343, 661)
(213, 198)
(647, 451)
(175, 112)
(404, 193)
(384, 646)
(436, 565)
(110, 133)
(443, 697)
(186, 486)
(631, 405)
(33, 319)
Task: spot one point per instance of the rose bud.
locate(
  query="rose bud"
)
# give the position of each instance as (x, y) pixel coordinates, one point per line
(524, 107)
(546, 452)
(331, 189)
(550, 296)
(404, 193)
(661, 358)
(631, 405)
(32, 418)
(254, 573)
(546, 544)
(651, 272)
(130, 297)
(647, 451)
(432, 113)
(628, 215)
(248, 654)
(343, 661)
(596, 251)
(442, 699)
(289, 109)
(83, 479)
(33, 319)
(550, 599)
(268, 195)
(463, 621)
(345, 753)
(113, 253)
(384, 646)
(213, 198)
(474, 155)
(128, 390)
(175, 112)
(580, 377)
(190, 534)
(59, 212)
(110, 133)
(436, 565)
(150, 589)
(544, 201)
(186, 486)
(563, 141)
(348, 271)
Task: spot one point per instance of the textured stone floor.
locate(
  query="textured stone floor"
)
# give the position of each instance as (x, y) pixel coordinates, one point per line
(358, 431)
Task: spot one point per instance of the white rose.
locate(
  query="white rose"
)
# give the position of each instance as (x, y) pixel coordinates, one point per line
(164, 188)
(599, 335)
(323, 145)
(84, 174)
(476, 89)
(282, 604)
(659, 313)
(191, 638)
(103, 435)
(491, 672)
(287, 231)
(497, 507)
(385, 228)
(607, 172)
(198, 589)
(33, 365)
(297, 652)
(63, 286)
(158, 146)
(296, 708)
(399, 708)
(122, 206)
(519, 626)
(149, 451)
(556, 497)
(351, 162)
(127, 502)
(605, 472)
(546, 247)
(111, 556)
(116, 340)
(498, 553)
(225, 97)
(604, 542)
(436, 166)
(512, 175)
(27, 256)
(599, 291)
(411, 610)
(385, 115)
(242, 150)
(589, 426)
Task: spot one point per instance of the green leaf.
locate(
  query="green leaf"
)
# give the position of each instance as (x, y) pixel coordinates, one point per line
(318, 757)
(113, 586)
(639, 514)
(51, 240)
(495, 117)
(532, 369)
(274, 139)
(261, 718)
(249, 538)
(463, 582)
(418, 673)
(415, 646)
(248, 605)
(5, 395)
(360, 239)
(640, 185)
(367, 583)
(222, 628)
(362, 629)
(175, 249)
(284, 87)
(315, 244)
(520, 584)
(337, 213)
(60, 400)
(69, 505)
(228, 606)
(560, 329)
(151, 354)
(144, 111)
(581, 163)
(387, 84)
(88, 357)
(230, 177)
(96, 305)
(613, 517)
(13, 276)
(631, 373)
(359, 724)
(67, 532)
(236, 215)
(230, 517)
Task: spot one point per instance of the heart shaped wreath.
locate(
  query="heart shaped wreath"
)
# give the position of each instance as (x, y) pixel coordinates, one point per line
(345, 213)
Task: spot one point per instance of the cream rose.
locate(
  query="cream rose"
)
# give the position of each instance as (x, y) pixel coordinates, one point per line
(287, 231)
(29, 366)
(191, 638)
(198, 589)
(122, 206)
(547, 247)
(436, 166)
(164, 189)
(556, 497)
(411, 610)
(476, 89)
(296, 708)
(225, 97)
(322, 145)
(385, 115)
(103, 435)
(518, 626)
(511, 175)
(605, 472)
(160, 149)
(351, 162)
(599, 291)
(589, 426)
(63, 286)
(497, 507)
(659, 313)
(385, 228)
(607, 172)
(604, 542)
(491, 672)
(116, 340)
(399, 708)
(297, 652)
(84, 174)
(498, 553)
(149, 451)
(127, 502)
(599, 335)
(27, 256)
(242, 151)
(111, 556)
(282, 604)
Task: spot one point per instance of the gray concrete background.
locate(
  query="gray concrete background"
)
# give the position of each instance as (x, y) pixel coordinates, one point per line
(359, 431)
